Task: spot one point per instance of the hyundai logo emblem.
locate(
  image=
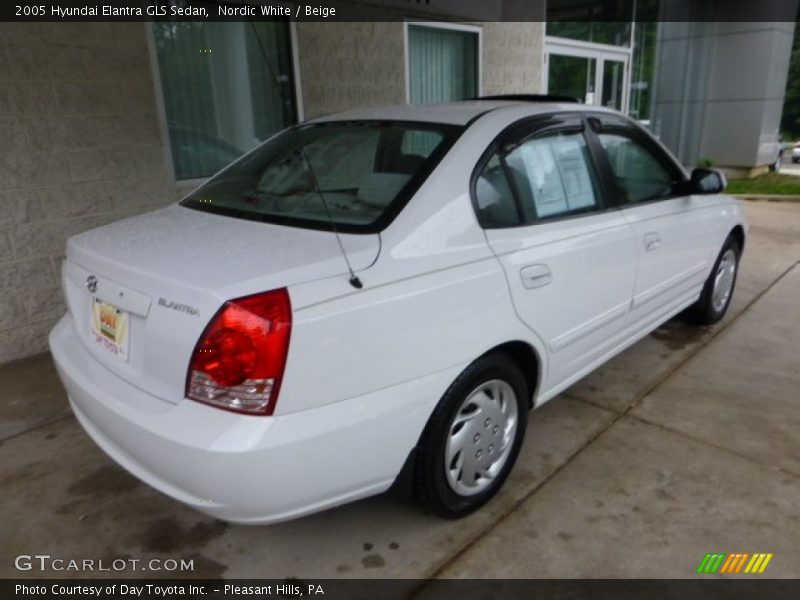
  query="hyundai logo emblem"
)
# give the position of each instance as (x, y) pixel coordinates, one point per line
(91, 283)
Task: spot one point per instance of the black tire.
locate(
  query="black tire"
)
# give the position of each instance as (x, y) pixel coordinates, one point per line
(704, 311)
(431, 485)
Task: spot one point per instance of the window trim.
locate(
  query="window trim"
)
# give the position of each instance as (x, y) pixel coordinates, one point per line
(161, 110)
(439, 25)
(630, 128)
(522, 130)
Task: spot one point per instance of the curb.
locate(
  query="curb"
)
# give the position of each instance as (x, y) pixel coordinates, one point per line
(767, 197)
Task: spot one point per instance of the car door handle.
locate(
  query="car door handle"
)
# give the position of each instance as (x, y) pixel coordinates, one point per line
(652, 241)
(535, 276)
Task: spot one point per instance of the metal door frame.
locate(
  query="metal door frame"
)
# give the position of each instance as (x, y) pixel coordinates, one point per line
(600, 53)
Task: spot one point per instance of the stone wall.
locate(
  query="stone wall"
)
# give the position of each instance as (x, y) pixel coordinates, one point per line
(79, 147)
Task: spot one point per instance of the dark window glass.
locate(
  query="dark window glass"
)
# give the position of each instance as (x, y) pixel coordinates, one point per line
(571, 76)
(640, 175)
(226, 88)
(600, 32)
(361, 168)
(495, 202)
(442, 64)
(643, 70)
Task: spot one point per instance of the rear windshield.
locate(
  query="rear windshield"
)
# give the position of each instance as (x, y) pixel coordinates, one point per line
(365, 172)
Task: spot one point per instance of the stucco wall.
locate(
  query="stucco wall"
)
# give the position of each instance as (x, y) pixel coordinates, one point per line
(79, 147)
(349, 65)
(513, 58)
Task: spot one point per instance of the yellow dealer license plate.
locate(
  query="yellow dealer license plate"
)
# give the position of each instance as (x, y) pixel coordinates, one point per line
(110, 327)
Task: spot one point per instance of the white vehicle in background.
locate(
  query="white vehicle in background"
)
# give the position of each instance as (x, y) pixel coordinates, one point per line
(383, 292)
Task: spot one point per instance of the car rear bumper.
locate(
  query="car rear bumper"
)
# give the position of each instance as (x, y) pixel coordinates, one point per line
(242, 468)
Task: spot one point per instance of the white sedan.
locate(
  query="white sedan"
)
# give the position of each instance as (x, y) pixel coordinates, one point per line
(383, 294)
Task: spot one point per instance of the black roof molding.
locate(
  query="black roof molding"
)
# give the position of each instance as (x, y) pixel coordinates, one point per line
(532, 98)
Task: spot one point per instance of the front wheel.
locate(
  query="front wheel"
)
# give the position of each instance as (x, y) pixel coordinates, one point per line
(473, 437)
(718, 289)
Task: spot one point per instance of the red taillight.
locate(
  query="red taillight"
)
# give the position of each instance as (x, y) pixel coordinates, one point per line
(239, 360)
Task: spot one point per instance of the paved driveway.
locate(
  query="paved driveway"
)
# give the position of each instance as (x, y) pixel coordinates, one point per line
(687, 443)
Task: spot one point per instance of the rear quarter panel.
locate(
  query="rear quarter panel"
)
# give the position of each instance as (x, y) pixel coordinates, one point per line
(390, 333)
(436, 297)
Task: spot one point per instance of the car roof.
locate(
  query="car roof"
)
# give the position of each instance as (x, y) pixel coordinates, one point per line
(454, 113)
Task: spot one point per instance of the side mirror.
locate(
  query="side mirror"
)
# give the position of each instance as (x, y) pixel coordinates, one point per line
(706, 181)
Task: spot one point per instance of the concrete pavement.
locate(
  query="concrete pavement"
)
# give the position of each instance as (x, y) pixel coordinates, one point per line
(708, 461)
(684, 444)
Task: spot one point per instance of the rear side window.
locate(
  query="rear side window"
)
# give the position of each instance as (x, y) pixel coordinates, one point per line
(364, 170)
(493, 197)
(640, 175)
(553, 176)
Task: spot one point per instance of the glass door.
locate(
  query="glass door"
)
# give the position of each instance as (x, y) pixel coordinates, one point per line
(613, 80)
(572, 76)
(593, 73)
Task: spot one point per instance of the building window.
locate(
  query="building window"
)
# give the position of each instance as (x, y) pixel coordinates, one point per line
(226, 87)
(610, 33)
(644, 58)
(443, 62)
(608, 23)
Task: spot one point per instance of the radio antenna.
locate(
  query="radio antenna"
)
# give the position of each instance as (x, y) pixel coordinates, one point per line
(354, 280)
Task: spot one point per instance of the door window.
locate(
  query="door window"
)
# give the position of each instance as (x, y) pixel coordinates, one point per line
(550, 176)
(553, 176)
(641, 176)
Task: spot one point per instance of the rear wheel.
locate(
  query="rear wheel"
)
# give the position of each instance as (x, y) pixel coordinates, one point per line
(473, 437)
(718, 289)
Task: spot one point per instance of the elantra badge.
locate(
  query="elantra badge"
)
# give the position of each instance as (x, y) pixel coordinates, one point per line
(184, 308)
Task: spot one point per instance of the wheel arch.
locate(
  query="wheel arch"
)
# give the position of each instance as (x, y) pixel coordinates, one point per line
(737, 233)
(527, 360)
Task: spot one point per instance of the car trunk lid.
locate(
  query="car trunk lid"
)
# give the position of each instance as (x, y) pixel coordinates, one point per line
(142, 290)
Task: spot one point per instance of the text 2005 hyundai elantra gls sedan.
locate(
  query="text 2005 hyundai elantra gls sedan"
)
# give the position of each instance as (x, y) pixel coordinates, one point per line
(381, 293)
